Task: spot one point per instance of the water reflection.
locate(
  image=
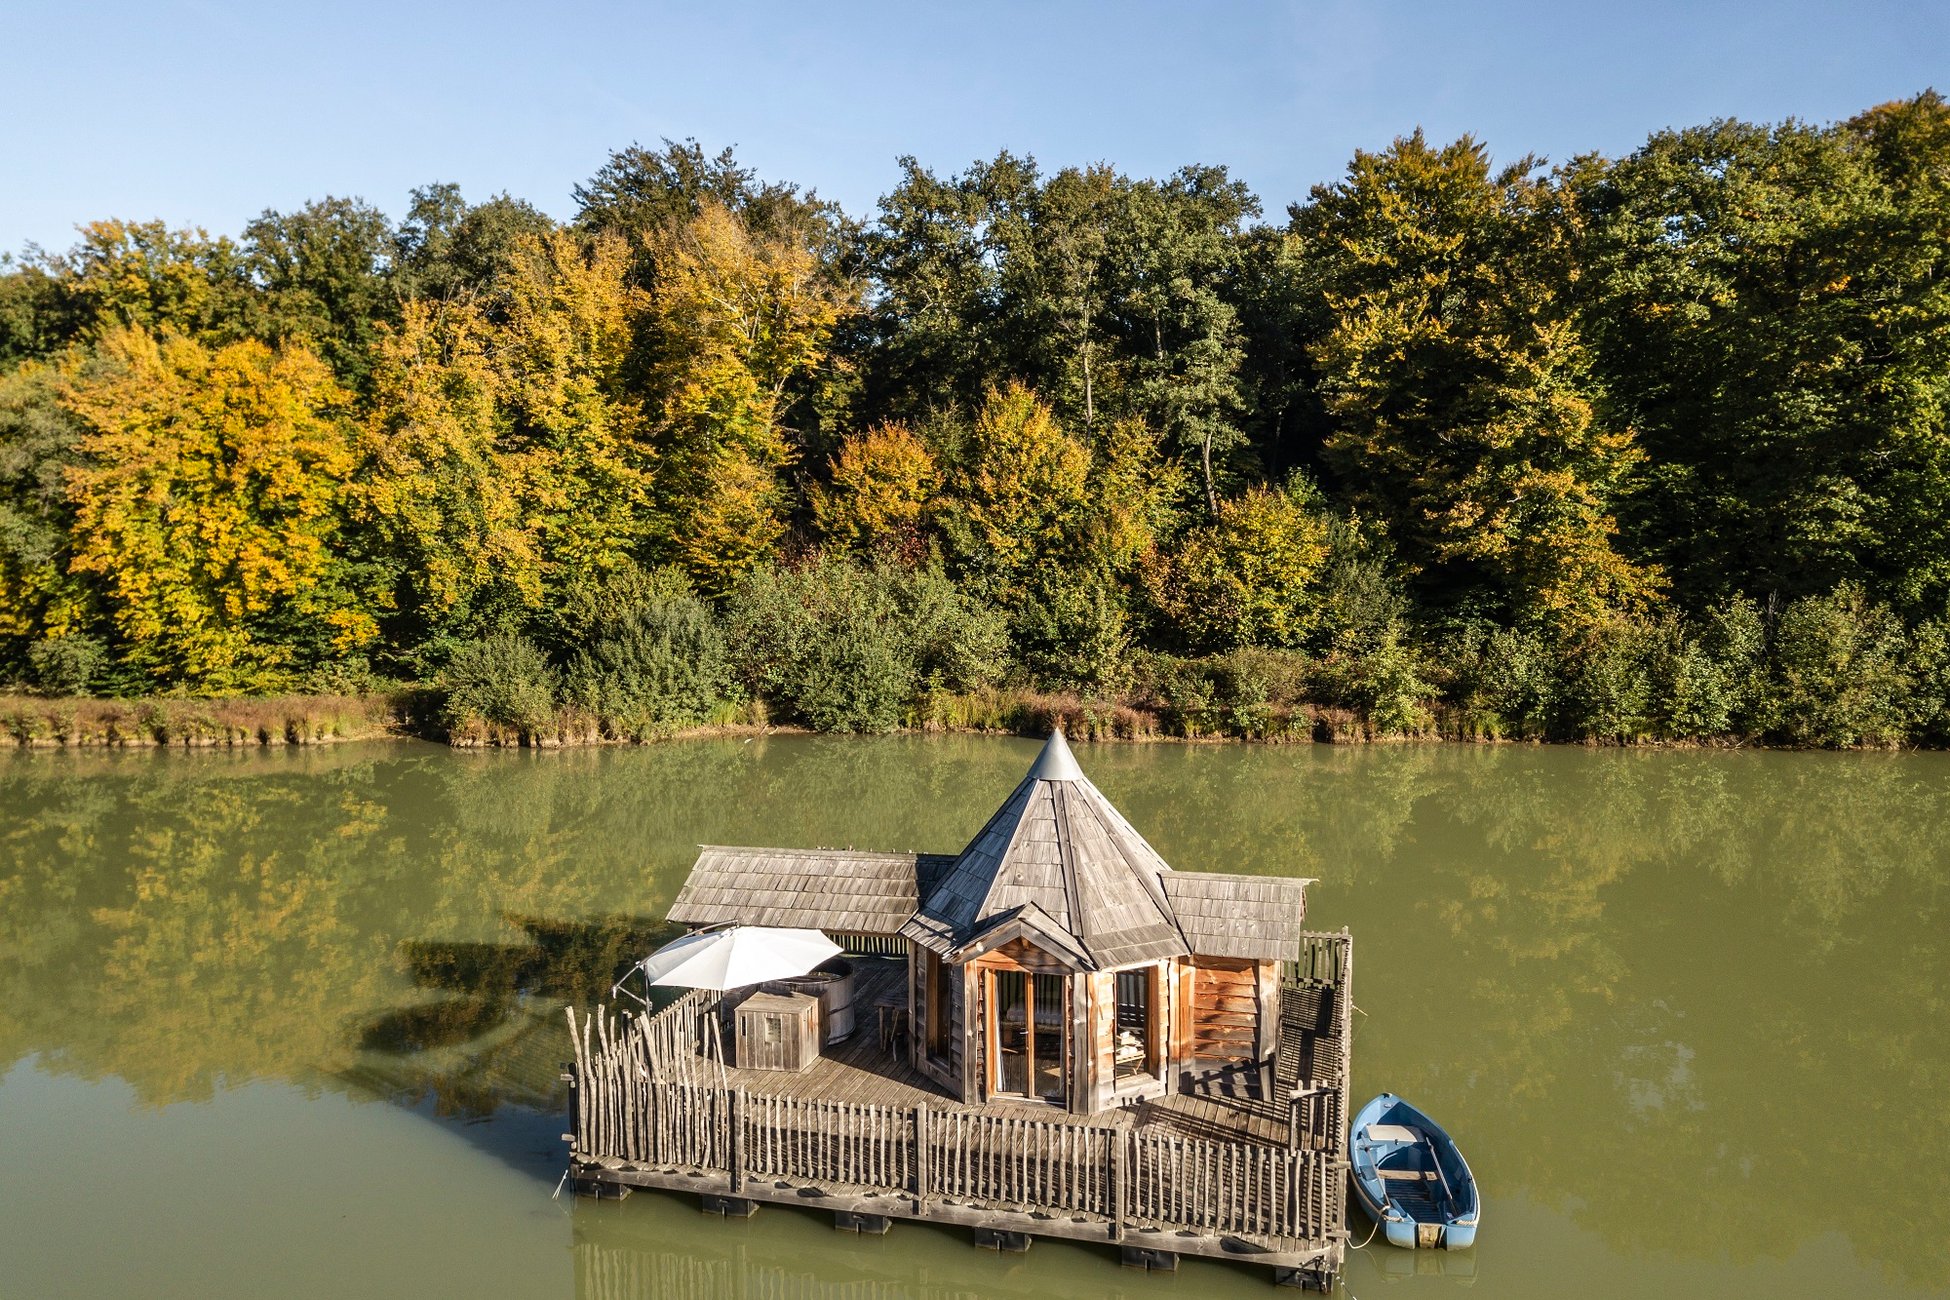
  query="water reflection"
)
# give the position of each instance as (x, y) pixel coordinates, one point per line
(1638, 984)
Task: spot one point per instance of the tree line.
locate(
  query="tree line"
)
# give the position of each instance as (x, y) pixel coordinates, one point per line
(1649, 447)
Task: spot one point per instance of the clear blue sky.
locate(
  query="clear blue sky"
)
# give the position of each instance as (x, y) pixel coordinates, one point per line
(205, 113)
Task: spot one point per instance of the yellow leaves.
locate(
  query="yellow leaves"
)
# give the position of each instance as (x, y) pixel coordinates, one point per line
(147, 275)
(352, 629)
(207, 500)
(1247, 578)
(882, 480)
(733, 526)
(1456, 379)
(738, 315)
(735, 317)
(443, 492)
(1135, 490)
(1024, 487)
(571, 309)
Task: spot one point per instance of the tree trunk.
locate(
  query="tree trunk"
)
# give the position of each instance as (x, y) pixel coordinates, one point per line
(1089, 402)
(1211, 495)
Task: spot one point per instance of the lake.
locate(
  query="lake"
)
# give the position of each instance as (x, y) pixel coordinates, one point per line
(289, 1021)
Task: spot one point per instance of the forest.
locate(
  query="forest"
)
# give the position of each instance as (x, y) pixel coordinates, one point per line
(1635, 449)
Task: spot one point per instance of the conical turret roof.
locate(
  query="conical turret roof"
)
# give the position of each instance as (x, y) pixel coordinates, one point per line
(1059, 855)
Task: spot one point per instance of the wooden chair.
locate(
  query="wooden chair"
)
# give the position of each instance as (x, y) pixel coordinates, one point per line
(891, 1022)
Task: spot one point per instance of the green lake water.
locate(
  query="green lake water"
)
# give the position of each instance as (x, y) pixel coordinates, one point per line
(288, 1023)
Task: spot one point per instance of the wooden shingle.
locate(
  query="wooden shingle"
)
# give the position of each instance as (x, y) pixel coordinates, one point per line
(838, 890)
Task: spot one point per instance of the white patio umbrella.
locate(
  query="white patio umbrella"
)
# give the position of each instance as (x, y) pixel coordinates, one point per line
(732, 958)
(736, 956)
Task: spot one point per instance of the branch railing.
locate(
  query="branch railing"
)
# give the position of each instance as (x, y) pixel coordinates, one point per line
(640, 1098)
(1317, 1040)
(1278, 1196)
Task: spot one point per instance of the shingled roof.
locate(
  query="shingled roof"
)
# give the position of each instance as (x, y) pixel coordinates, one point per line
(1057, 865)
(818, 889)
(1256, 917)
(1058, 844)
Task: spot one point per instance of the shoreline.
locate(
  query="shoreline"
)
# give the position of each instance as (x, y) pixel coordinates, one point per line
(167, 722)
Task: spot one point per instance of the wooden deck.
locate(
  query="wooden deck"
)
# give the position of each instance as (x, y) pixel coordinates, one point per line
(1240, 1165)
(1222, 1102)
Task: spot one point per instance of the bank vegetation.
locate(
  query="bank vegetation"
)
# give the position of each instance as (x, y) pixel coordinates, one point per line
(1639, 449)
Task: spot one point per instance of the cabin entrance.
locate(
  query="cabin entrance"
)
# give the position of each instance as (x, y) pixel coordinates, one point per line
(1029, 1022)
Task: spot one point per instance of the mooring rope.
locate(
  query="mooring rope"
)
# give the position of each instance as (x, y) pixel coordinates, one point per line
(1371, 1232)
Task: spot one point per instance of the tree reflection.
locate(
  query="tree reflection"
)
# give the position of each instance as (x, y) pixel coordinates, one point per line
(1637, 983)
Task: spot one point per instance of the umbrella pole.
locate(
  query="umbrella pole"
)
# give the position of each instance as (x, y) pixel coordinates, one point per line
(717, 1032)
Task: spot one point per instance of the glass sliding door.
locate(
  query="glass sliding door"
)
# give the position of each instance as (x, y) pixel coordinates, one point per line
(1009, 999)
(1050, 1011)
(1030, 1018)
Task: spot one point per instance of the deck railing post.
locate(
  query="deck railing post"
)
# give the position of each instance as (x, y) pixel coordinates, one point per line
(1121, 1159)
(921, 1170)
(737, 1161)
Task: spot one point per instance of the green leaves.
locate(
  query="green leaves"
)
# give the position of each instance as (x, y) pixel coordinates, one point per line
(1771, 312)
(1580, 428)
(846, 647)
(1463, 417)
(1247, 578)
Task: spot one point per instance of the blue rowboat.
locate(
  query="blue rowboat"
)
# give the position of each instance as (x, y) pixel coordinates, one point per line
(1410, 1178)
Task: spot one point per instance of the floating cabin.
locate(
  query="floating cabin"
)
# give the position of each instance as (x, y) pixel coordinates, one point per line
(1059, 1036)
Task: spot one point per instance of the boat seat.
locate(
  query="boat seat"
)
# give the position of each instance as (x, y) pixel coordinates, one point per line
(1413, 1175)
(1391, 1133)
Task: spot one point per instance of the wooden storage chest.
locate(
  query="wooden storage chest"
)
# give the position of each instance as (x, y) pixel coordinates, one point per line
(778, 1031)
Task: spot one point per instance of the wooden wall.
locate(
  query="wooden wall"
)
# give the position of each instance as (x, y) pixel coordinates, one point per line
(948, 1074)
(1208, 1009)
(1099, 1054)
(1225, 1009)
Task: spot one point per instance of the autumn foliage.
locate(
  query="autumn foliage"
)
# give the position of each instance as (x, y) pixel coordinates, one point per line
(1649, 447)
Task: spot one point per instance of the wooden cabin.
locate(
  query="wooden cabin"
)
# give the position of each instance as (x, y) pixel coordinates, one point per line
(1055, 959)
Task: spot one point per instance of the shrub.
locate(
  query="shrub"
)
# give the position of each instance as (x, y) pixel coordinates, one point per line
(1248, 577)
(960, 643)
(1839, 673)
(847, 647)
(1694, 695)
(1248, 692)
(1929, 700)
(1734, 639)
(1504, 680)
(588, 607)
(1183, 690)
(1359, 598)
(652, 667)
(856, 674)
(503, 679)
(1071, 634)
(71, 664)
(1382, 676)
(1607, 687)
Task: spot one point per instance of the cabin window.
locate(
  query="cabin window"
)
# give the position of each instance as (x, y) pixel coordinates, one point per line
(940, 1006)
(1137, 1004)
(1030, 1019)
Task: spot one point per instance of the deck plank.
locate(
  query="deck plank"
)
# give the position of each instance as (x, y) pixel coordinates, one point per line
(1225, 1105)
